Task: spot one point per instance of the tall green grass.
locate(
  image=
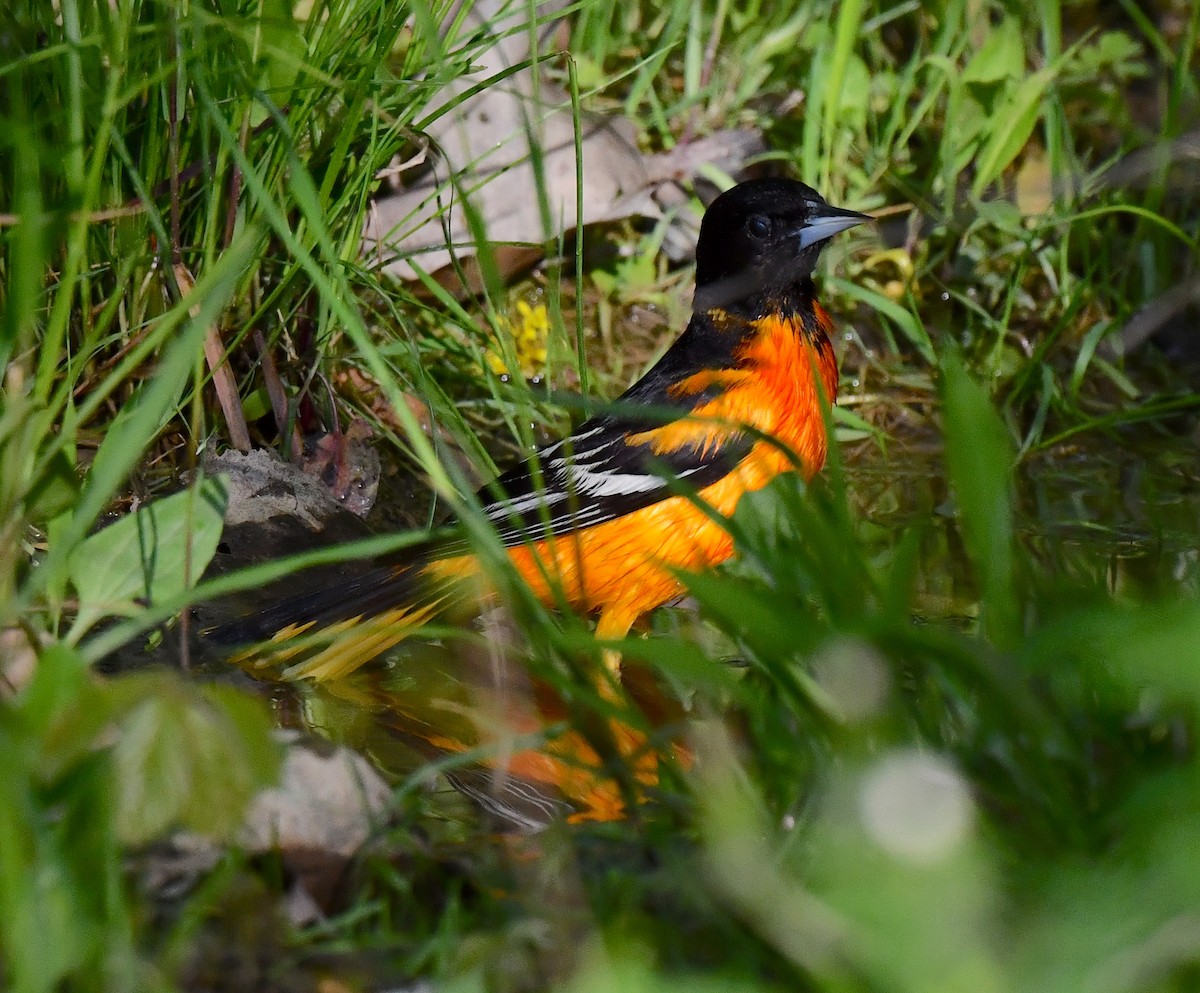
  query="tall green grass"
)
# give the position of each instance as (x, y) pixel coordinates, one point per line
(242, 144)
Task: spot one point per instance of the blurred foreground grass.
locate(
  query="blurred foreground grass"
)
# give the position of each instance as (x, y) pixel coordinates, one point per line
(891, 790)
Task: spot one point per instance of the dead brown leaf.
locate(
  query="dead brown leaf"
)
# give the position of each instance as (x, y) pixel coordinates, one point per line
(482, 150)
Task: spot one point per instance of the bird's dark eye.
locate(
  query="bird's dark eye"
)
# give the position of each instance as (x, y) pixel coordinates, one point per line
(758, 226)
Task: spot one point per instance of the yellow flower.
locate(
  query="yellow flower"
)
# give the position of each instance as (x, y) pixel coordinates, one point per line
(529, 333)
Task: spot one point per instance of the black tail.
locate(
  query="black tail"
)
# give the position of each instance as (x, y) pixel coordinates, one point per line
(328, 631)
(336, 599)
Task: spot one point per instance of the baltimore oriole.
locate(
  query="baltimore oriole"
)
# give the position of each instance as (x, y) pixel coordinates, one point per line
(605, 518)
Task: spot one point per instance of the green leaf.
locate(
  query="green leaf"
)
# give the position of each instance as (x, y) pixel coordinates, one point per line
(909, 324)
(1001, 57)
(588, 72)
(1152, 645)
(768, 622)
(60, 680)
(282, 49)
(1003, 215)
(55, 490)
(850, 426)
(979, 461)
(256, 405)
(42, 937)
(153, 554)
(190, 757)
(856, 94)
(687, 663)
(1016, 116)
(52, 872)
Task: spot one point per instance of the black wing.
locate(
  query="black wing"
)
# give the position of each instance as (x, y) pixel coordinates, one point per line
(596, 475)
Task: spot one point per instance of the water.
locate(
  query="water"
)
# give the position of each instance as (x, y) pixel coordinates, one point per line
(459, 721)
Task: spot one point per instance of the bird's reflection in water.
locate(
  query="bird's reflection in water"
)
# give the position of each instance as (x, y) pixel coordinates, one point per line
(464, 711)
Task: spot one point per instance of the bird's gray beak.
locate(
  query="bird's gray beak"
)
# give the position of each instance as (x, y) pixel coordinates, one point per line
(825, 221)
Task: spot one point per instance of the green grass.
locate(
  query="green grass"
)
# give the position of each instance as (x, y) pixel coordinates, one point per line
(956, 750)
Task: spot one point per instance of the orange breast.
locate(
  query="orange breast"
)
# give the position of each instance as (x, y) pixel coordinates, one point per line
(624, 567)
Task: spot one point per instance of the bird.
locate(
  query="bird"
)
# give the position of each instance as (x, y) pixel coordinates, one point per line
(607, 519)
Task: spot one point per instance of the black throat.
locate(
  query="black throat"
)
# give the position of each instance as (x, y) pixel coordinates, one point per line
(750, 296)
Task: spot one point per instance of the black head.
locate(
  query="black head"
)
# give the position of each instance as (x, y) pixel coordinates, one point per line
(760, 240)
